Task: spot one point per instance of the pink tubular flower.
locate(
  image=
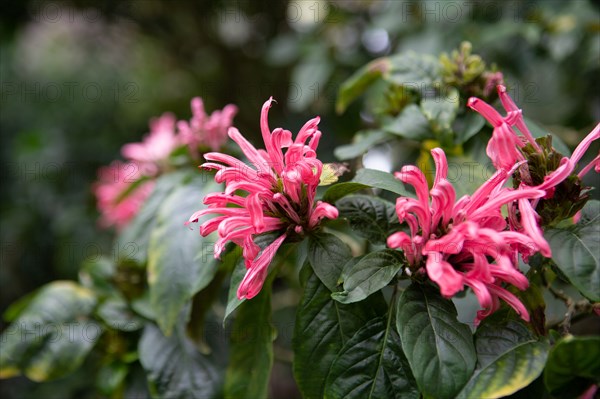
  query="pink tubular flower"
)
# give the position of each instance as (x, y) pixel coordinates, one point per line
(202, 129)
(568, 165)
(466, 242)
(503, 147)
(545, 170)
(280, 198)
(156, 147)
(117, 208)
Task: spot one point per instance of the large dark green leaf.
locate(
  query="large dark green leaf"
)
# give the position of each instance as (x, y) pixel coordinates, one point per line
(370, 274)
(362, 142)
(327, 256)
(366, 178)
(467, 126)
(438, 347)
(322, 327)
(370, 217)
(117, 315)
(359, 82)
(202, 303)
(340, 190)
(372, 365)
(576, 251)
(441, 110)
(251, 350)
(52, 335)
(410, 123)
(509, 358)
(573, 365)
(180, 261)
(174, 368)
(413, 71)
(379, 179)
(132, 242)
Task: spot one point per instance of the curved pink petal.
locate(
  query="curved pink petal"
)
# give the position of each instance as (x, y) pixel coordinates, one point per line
(257, 272)
(442, 273)
(529, 221)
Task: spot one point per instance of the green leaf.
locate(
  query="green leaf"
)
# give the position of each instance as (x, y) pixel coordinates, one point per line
(232, 260)
(362, 142)
(413, 71)
(96, 274)
(509, 358)
(441, 110)
(340, 190)
(16, 308)
(576, 251)
(52, 335)
(410, 124)
(438, 347)
(370, 217)
(117, 315)
(383, 180)
(174, 368)
(366, 178)
(467, 126)
(466, 174)
(237, 276)
(251, 350)
(202, 303)
(359, 82)
(370, 274)
(322, 327)
(573, 365)
(132, 242)
(327, 256)
(180, 261)
(538, 131)
(110, 377)
(372, 365)
(310, 78)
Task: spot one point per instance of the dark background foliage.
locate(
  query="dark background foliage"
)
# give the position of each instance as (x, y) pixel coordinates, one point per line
(79, 79)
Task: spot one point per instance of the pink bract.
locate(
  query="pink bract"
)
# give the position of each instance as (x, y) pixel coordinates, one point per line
(202, 129)
(504, 146)
(156, 147)
(280, 187)
(116, 208)
(466, 241)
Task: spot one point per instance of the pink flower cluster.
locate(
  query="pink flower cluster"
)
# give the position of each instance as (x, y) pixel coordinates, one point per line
(152, 154)
(116, 206)
(204, 130)
(465, 242)
(280, 187)
(469, 242)
(122, 188)
(504, 146)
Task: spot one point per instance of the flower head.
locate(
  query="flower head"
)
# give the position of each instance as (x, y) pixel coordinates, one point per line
(546, 169)
(117, 206)
(466, 242)
(281, 188)
(202, 129)
(156, 147)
